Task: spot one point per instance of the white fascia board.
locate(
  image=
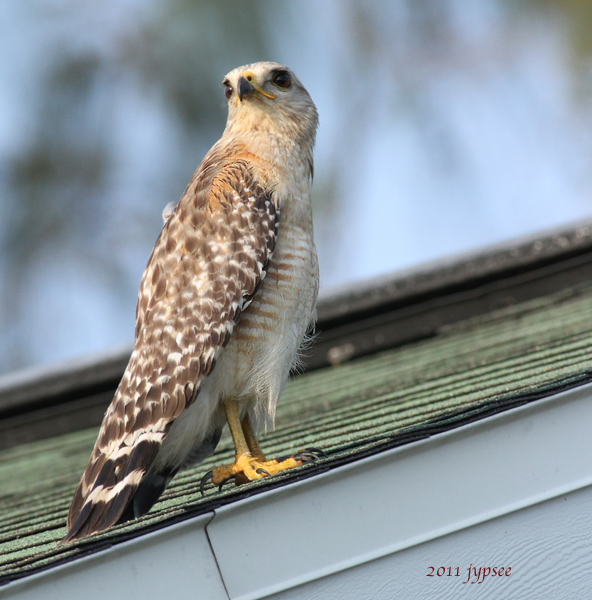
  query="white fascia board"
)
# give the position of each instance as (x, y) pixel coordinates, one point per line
(404, 497)
(348, 516)
(176, 560)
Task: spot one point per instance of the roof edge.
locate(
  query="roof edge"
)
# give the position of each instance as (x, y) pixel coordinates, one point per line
(496, 260)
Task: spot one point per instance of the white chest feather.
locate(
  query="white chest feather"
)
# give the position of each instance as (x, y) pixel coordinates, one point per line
(265, 343)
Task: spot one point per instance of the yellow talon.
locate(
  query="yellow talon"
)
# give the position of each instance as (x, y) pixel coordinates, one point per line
(248, 468)
(250, 464)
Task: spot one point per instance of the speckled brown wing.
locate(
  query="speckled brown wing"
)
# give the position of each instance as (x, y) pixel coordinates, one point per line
(205, 267)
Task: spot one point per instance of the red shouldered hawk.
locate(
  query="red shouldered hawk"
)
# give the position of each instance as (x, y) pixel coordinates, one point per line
(225, 302)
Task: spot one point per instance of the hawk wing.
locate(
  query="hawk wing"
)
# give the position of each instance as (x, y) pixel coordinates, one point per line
(205, 267)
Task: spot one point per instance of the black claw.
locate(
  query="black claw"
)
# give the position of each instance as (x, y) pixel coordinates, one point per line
(225, 482)
(262, 471)
(310, 455)
(318, 451)
(204, 479)
(306, 457)
(208, 476)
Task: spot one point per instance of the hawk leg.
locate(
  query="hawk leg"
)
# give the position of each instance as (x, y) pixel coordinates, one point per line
(250, 462)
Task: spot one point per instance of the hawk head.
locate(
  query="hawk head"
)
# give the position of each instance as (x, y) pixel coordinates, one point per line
(267, 96)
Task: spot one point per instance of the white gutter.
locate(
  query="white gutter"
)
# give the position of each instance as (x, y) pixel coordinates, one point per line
(352, 515)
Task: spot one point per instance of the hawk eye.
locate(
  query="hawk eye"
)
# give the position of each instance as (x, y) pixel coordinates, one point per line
(227, 90)
(282, 79)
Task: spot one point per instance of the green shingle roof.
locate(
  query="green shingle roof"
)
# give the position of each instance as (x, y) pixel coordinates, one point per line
(465, 371)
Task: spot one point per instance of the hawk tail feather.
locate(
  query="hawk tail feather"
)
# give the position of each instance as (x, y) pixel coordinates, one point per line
(111, 499)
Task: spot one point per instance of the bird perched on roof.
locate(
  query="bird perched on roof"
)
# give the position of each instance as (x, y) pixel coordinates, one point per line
(225, 302)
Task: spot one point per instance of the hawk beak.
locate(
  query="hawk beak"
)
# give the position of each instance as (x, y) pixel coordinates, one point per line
(247, 87)
(244, 87)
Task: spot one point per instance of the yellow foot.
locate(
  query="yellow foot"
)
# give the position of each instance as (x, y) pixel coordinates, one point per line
(249, 468)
